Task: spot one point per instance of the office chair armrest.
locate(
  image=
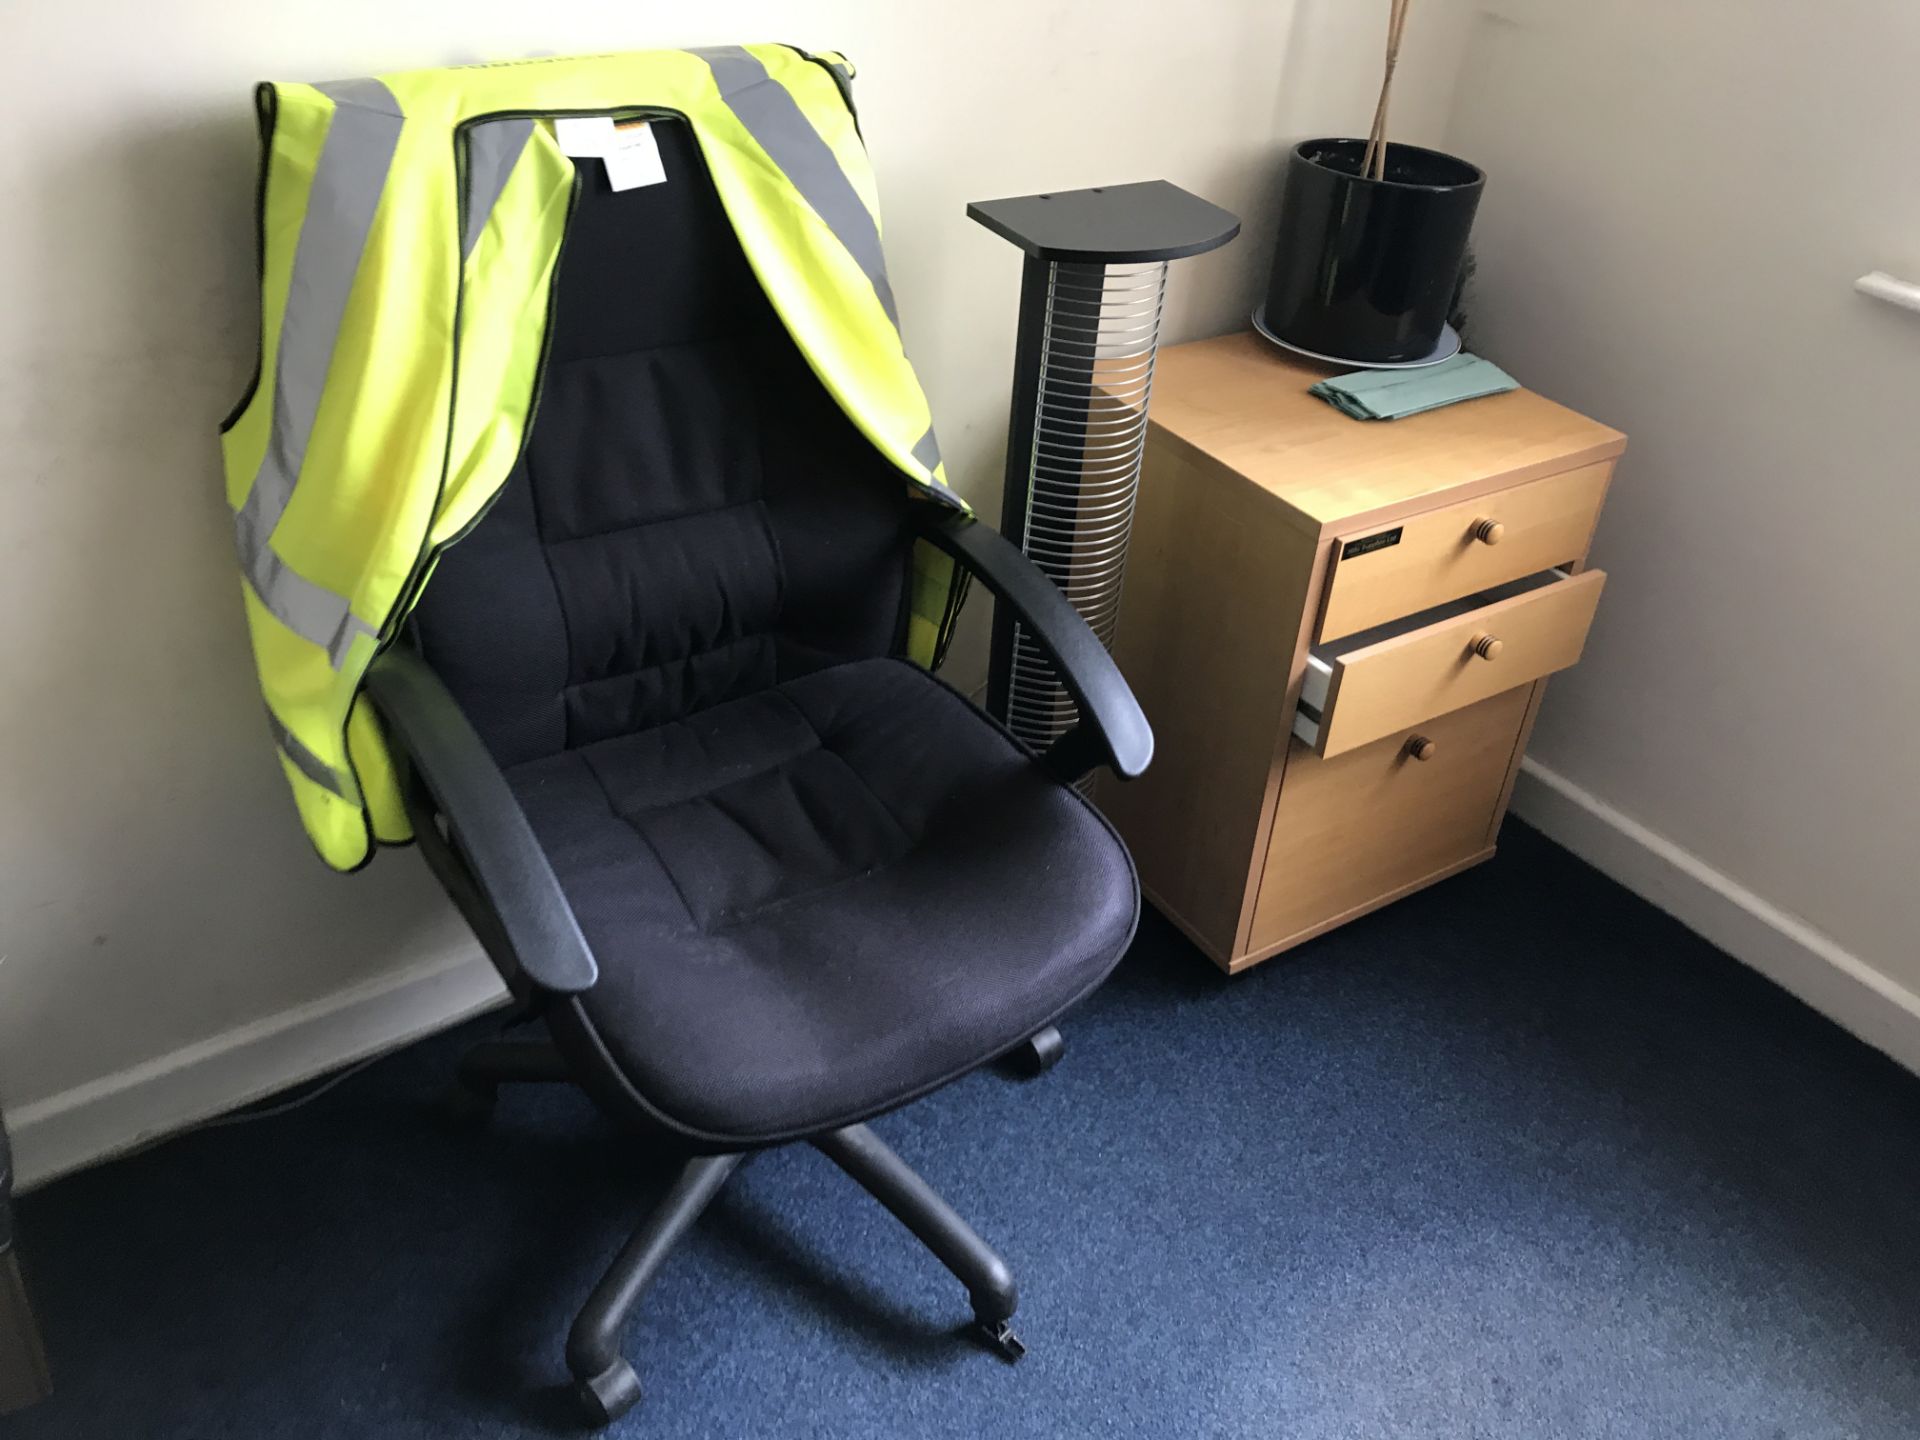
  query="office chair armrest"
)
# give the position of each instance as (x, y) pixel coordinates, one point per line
(489, 861)
(1112, 729)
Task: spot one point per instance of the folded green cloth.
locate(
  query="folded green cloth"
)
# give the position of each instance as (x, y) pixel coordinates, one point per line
(1389, 394)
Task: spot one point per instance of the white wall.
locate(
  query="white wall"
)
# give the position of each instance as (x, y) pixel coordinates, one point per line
(171, 945)
(1680, 197)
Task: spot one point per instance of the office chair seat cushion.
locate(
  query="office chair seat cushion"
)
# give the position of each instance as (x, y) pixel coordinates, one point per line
(819, 900)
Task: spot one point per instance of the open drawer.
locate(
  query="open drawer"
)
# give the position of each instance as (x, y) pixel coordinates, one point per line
(1364, 686)
(1438, 556)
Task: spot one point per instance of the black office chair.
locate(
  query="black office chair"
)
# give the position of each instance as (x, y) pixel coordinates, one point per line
(765, 878)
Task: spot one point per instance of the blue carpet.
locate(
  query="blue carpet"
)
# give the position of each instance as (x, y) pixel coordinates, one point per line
(1517, 1157)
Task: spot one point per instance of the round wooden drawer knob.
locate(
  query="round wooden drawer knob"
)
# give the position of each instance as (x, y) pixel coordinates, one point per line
(1489, 532)
(1419, 747)
(1487, 647)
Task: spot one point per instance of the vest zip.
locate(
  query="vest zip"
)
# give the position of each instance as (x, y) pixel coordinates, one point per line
(423, 564)
(266, 105)
(430, 553)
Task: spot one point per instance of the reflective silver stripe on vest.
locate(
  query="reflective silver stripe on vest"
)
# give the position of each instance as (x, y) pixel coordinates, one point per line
(927, 451)
(310, 764)
(347, 181)
(772, 116)
(493, 149)
(774, 119)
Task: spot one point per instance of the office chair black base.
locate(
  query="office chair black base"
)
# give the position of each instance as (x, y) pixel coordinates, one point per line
(487, 1066)
(918, 1206)
(606, 1385)
(1000, 1338)
(1038, 1053)
(605, 1397)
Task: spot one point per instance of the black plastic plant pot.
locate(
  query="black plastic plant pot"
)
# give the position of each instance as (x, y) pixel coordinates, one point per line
(1366, 269)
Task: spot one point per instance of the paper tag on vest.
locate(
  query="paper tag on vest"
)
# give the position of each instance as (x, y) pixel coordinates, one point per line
(633, 159)
(584, 136)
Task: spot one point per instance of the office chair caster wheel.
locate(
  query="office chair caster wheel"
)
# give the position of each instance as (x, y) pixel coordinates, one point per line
(466, 1106)
(1038, 1053)
(610, 1394)
(1001, 1340)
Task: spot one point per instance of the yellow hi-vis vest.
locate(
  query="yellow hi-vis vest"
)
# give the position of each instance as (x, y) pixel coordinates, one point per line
(410, 228)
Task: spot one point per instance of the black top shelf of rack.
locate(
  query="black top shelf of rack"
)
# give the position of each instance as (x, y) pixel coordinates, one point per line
(1109, 224)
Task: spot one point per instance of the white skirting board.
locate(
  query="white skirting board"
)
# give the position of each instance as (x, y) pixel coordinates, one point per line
(134, 1107)
(137, 1106)
(1784, 948)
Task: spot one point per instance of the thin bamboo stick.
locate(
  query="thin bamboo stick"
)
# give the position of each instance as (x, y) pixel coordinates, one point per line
(1386, 86)
(1373, 130)
(1373, 162)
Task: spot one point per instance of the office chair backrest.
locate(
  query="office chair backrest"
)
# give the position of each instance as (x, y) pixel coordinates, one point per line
(694, 518)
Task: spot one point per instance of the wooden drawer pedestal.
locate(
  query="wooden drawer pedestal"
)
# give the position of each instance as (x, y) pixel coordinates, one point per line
(1340, 631)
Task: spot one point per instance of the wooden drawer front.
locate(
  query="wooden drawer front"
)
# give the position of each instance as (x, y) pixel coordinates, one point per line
(1440, 555)
(1387, 679)
(1362, 827)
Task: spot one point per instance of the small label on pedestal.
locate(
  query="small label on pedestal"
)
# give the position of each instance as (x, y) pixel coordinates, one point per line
(1367, 544)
